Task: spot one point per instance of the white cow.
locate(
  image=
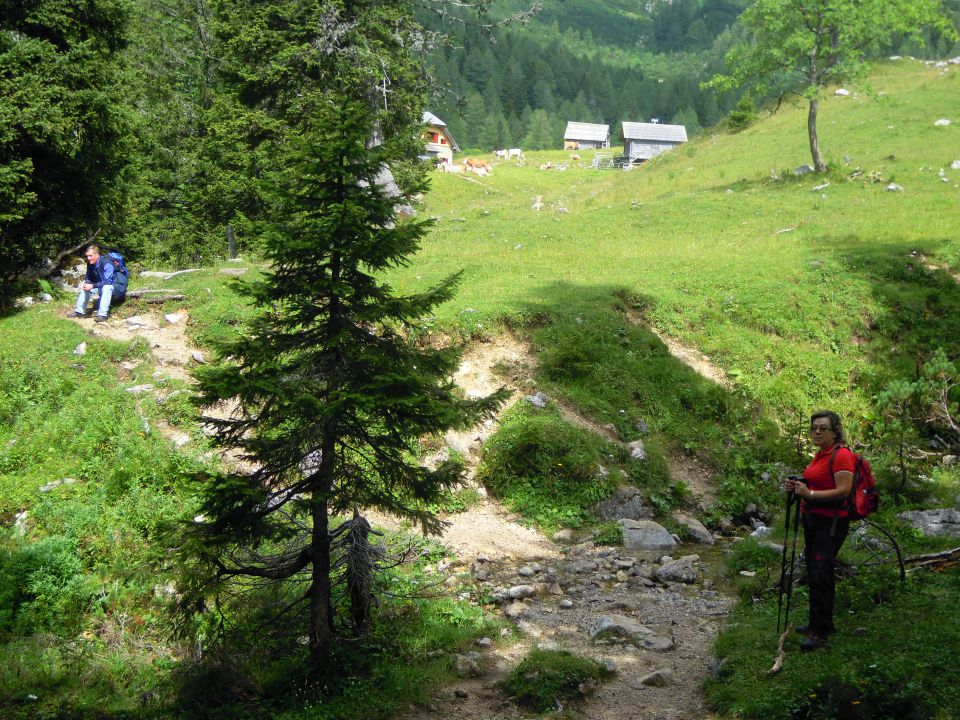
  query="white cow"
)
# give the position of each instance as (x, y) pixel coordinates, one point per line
(514, 153)
(501, 154)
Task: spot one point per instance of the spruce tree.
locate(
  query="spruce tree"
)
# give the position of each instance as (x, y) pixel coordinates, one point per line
(331, 395)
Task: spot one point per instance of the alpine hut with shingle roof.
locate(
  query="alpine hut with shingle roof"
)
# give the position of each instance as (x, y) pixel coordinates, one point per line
(588, 135)
(440, 143)
(642, 141)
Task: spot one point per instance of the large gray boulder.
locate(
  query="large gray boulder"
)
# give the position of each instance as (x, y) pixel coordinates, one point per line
(646, 535)
(944, 522)
(695, 528)
(625, 503)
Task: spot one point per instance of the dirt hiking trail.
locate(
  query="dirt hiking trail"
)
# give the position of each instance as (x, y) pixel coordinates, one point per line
(652, 618)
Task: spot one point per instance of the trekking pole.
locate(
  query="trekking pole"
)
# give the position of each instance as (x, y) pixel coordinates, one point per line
(783, 560)
(781, 654)
(793, 557)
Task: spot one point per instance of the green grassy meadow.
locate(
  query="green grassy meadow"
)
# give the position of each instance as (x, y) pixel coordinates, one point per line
(783, 287)
(805, 298)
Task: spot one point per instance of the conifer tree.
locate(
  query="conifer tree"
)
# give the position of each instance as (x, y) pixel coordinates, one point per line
(331, 395)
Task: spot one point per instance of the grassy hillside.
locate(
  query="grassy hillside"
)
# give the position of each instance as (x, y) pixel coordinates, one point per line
(806, 297)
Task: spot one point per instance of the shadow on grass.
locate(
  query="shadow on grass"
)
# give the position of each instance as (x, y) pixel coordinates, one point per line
(596, 352)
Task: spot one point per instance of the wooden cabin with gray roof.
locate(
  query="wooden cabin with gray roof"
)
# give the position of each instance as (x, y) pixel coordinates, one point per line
(642, 141)
(586, 135)
(440, 144)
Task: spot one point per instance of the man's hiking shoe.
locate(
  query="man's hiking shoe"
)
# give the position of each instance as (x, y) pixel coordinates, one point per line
(805, 630)
(75, 314)
(813, 642)
(100, 318)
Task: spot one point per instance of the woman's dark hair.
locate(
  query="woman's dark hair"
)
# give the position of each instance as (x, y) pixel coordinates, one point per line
(835, 424)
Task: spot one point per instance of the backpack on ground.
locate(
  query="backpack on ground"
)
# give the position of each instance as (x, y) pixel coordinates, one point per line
(864, 498)
(118, 262)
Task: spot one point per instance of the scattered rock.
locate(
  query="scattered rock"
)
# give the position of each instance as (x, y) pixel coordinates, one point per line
(518, 592)
(893, 187)
(942, 122)
(682, 570)
(173, 318)
(695, 528)
(537, 400)
(80, 349)
(658, 678)
(944, 522)
(658, 643)
(515, 610)
(955, 165)
(841, 92)
(582, 566)
(637, 450)
(44, 297)
(949, 460)
(803, 170)
(484, 643)
(566, 604)
(180, 439)
(565, 535)
(529, 570)
(198, 358)
(140, 389)
(626, 503)
(748, 573)
(646, 535)
(620, 627)
(761, 531)
(641, 426)
(461, 693)
(56, 483)
(235, 272)
(20, 523)
(467, 666)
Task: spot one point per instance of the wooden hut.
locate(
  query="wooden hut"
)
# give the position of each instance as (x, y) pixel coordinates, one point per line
(586, 135)
(642, 141)
(440, 143)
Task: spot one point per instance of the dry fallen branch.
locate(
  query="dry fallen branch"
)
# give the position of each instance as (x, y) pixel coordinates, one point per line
(141, 293)
(162, 299)
(781, 653)
(938, 560)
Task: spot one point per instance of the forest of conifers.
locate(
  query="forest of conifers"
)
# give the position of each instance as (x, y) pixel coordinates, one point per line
(115, 122)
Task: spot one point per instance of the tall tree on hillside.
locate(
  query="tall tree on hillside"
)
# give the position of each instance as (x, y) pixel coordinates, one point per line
(803, 46)
(331, 395)
(64, 125)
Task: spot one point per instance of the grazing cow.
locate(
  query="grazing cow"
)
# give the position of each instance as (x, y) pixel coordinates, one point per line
(571, 145)
(575, 156)
(515, 153)
(546, 166)
(500, 154)
(474, 164)
(451, 168)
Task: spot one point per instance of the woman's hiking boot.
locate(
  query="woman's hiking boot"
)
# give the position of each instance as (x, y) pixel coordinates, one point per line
(813, 641)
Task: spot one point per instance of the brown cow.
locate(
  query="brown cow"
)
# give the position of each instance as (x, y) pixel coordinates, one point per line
(571, 145)
(474, 164)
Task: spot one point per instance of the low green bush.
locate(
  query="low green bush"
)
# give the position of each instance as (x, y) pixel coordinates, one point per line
(547, 469)
(546, 677)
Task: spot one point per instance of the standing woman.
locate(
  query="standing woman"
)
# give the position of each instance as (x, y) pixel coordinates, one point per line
(829, 479)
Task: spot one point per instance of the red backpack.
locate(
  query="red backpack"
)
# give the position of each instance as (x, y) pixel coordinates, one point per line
(864, 498)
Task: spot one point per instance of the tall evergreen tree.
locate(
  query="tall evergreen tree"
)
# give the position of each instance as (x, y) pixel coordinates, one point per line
(332, 397)
(64, 125)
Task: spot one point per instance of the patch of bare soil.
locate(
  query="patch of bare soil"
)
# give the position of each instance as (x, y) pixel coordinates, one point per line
(575, 587)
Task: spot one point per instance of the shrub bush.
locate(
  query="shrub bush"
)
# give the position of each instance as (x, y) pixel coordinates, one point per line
(545, 677)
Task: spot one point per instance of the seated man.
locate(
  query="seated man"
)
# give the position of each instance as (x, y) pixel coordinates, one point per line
(102, 276)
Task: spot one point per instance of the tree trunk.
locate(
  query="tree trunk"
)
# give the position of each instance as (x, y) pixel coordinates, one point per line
(321, 626)
(818, 163)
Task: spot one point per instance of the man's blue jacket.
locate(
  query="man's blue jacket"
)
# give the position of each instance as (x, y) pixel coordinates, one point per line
(102, 272)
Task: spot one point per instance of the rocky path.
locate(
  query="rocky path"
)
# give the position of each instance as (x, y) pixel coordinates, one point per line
(650, 616)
